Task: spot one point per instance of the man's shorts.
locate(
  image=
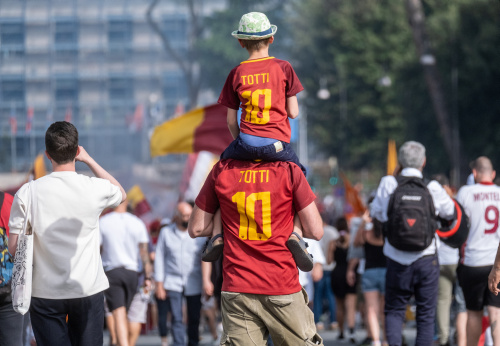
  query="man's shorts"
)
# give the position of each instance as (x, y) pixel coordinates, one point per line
(373, 279)
(248, 319)
(122, 288)
(474, 283)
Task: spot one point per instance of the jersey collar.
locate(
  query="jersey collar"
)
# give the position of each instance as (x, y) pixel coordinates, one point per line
(255, 60)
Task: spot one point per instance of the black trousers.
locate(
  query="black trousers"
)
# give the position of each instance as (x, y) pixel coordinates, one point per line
(84, 326)
(11, 323)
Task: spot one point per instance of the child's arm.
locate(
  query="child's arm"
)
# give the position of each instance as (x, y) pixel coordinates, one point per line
(292, 107)
(232, 122)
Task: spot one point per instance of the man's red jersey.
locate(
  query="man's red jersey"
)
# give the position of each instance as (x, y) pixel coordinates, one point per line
(260, 87)
(258, 202)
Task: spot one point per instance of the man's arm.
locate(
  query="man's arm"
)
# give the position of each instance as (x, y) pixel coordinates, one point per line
(146, 263)
(206, 273)
(312, 224)
(442, 201)
(159, 267)
(378, 208)
(13, 243)
(494, 277)
(98, 171)
(232, 122)
(200, 223)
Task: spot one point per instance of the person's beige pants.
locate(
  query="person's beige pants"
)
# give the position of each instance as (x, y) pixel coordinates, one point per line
(248, 319)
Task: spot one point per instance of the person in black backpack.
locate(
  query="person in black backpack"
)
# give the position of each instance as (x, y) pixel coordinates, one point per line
(408, 207)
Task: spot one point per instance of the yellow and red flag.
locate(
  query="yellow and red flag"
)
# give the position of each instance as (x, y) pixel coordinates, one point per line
(137, 201)
(392, 157)
(200, 129)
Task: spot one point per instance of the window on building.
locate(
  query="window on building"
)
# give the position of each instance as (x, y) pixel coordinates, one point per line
(121, 89)
(119, 34)
(66, 91)
(174, 89)
(66, 36)
(12, 90)
(12, 38)
(176, 29)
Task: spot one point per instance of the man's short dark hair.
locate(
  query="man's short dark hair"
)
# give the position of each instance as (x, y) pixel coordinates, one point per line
(255, 45)
(61, 142)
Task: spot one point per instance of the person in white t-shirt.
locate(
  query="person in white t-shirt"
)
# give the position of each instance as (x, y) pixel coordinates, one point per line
(68, 278)
(481, 203)
(124, 241)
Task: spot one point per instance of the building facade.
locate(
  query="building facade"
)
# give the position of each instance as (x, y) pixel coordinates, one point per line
(96, 63)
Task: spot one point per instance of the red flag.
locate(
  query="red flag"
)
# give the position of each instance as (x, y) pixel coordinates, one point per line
(29, 119)
(13, 121)
(69, 114)
(136, 123)
(179, 109)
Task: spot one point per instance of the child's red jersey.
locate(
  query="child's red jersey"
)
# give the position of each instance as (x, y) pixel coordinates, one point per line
(258, 202)
(260, 87)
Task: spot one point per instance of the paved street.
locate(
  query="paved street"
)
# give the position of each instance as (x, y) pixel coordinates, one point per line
(330, 338)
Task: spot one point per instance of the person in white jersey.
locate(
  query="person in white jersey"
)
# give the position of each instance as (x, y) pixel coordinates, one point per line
(124, 240)
(481, 203)
(68, 278)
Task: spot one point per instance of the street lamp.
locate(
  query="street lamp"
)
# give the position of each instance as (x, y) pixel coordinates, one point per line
(323, 93)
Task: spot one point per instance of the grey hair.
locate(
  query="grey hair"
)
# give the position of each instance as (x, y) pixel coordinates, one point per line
(412, 155)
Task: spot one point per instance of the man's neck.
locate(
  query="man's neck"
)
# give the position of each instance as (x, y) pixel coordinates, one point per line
(65, 167)
(258, 54)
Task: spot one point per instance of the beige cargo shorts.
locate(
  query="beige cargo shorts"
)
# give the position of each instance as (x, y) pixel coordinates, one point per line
(248, 319)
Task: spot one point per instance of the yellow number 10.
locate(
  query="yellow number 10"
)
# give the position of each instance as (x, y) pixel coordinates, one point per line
(253, 108)
(246, 209)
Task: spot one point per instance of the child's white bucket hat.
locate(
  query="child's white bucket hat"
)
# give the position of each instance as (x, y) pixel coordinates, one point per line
(254, 26)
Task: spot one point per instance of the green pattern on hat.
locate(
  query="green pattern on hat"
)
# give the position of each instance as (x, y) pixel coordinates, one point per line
(254, 26)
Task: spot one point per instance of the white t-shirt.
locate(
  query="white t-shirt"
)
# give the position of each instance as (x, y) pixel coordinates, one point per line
(481, 203)
(446, 254)
(330, 234)
(66, 259)
(121, 234)
(315, 250)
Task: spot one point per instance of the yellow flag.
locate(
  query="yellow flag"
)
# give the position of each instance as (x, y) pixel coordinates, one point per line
(392, 157)
(39, 167)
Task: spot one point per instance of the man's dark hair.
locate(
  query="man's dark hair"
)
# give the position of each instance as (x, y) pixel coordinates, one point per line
(61, 142)
(255, 45)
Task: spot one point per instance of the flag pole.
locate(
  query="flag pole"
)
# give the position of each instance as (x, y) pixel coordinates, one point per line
(13, 151)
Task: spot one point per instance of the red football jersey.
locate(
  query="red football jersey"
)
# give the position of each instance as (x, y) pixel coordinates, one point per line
(257, 202)
(260, 87)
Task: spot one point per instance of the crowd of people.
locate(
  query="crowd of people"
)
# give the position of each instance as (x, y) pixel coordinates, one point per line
(256, 211)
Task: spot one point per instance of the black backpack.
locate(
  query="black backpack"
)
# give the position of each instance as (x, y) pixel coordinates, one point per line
(412, 219)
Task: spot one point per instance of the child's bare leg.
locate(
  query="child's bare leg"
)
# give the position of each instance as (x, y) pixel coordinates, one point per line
(298, 247)
(217, 228)
(297, 226)
(215, 245)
